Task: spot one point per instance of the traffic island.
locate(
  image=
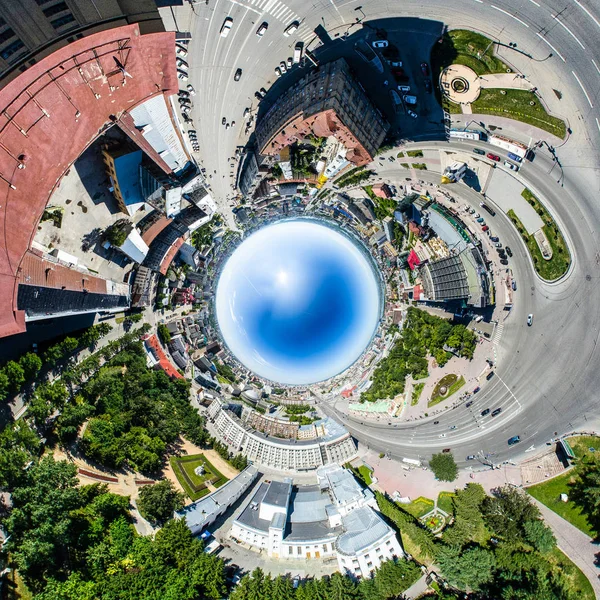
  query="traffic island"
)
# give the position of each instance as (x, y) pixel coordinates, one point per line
(548, 249)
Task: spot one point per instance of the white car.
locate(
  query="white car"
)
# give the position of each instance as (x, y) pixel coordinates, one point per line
(380, 44)
(291, 28)
(278, 71)
(282, 67)
(290, 62)
(262, 29)
(182, 75)
(181, 51)
(412, 114)
(181, 63)
(410, 99)
(226, 27)
(511, 166)
(530, 320)
(404, 88)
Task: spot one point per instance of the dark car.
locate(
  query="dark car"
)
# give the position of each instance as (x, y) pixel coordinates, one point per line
(428, 86)
(494, 238)
(469, 403)
(257, 96)
(490, 375)
(425, 69)
(496, 412)
(223, 121)
(237, 75)
(446, 450)
(514, 285)
(508, 251)
(485, 412)
(493, 157)
(479, 151)
(436, 422)
(514, 440)
(476, 389)
(503, 261)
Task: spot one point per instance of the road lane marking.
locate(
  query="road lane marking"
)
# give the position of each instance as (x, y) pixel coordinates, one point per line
(555, 17)
(551, 46)
(245, 6)
(479, 1)
(589, 14)
(534, 2)
(510, 15)
(598, 123)
(582, 89)
(594, 62)
(509, 391)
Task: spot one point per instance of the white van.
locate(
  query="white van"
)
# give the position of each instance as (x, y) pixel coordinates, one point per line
(297, 53)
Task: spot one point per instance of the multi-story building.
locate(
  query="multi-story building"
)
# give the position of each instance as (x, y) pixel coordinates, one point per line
(327, 102)
(33, 29)
(334, 445)
(334, 518)
(388, 228)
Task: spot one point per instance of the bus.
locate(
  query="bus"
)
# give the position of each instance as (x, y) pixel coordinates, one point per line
(486, 207)
(465, 134)
(508, 145)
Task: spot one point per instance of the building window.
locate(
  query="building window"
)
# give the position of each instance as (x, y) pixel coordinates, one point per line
(299, 550)
(291, 550)
(6, 35)
(11, 49)
(369, 564)
(58, 23)
(54, 10)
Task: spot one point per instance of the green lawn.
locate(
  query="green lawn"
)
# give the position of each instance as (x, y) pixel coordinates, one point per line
(195, 485)
(464, 47)
(579, 584)
(558, 265)
(416, 394)
(515, 104)
(582, 444)
(452, 382)
(549, 492)
(414, 153)
(444, 501)
(419, 166)
(366, 474)
(419, 507)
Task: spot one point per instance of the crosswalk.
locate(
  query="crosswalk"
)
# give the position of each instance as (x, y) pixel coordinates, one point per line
(498, 333)
(280, 11)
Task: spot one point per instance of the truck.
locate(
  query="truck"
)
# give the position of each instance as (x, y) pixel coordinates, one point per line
(465, 134)
(297, 52)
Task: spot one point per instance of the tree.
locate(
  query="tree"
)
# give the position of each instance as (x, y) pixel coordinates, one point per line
(31, 363)
(506, 511)
(539, 535)
(4, 385)
(163, 333)
(586, 491)
(342, 588)
(470, 568)
(444, 466)
(117, 233)
(15, 374)
(158, 502)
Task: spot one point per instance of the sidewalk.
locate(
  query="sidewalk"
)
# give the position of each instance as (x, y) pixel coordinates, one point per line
(580, 548)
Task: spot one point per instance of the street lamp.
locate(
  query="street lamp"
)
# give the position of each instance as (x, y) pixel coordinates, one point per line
(362, 11)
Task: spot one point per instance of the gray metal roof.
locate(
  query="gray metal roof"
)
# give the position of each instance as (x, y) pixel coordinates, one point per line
(363, 527)
(308, 504)
(344, 488)
(278, 493)
(448, 278)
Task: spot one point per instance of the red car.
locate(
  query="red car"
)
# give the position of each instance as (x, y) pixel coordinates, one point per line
(493, 157)
(484, 228)
(425, 69)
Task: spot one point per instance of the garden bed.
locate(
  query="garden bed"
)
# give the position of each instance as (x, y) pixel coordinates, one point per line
(195, 486)
(445, 387)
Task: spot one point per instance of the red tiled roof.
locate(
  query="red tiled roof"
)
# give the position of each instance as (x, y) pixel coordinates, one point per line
(170, 255)
(51, 113)
(165, 364)
(154, 229)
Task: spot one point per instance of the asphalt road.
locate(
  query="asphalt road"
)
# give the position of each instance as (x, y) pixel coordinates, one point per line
(547, 375)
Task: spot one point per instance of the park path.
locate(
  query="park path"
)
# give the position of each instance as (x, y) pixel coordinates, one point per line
(578, 546)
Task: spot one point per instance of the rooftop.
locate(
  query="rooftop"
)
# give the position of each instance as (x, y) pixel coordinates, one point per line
(363, 527)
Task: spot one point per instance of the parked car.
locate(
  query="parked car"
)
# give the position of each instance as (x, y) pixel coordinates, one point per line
(278, 71)
(258, 95)
(484, 228)
(263, 92)
(481, 220)
(412, 114)
(223, 121)
(503, 261)
(291, 28)
(182, 75)
(494, 238)
(380, 44)
(470, 457)
(180, 50)
(479, 151)
(262, 29)
(496, 412)
(511, 166)
(530, 319)
(428, 87)
(190, 89)
(514, 285)
(498, 244)
(410, 100)
(490, 375)
(404, 88)
(238, 75)
(290, 62)
(425, 69)
(181, 63)
(493, 157)
(515, 439)
(226, 27)
(508, 250)
(246, 112)
(282, 66)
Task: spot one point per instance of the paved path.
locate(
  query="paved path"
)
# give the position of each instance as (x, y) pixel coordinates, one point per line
(506, 81)
(417, 589)
(579, 547)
